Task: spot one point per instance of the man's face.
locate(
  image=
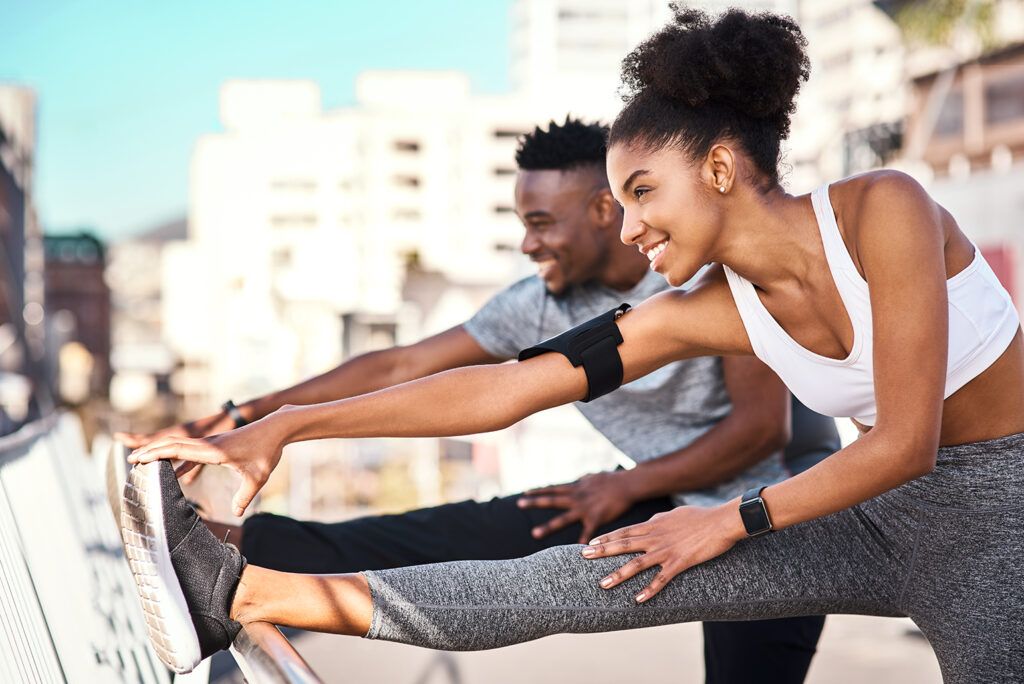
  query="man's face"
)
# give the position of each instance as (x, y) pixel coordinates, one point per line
(563, 235)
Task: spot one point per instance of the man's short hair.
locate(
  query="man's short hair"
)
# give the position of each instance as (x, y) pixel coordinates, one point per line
(563, 147)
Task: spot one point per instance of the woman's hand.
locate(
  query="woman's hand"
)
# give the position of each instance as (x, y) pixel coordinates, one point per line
(676, 540)
(592, 501)
(253, 451)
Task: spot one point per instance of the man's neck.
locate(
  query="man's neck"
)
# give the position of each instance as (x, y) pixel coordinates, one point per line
(625, 269)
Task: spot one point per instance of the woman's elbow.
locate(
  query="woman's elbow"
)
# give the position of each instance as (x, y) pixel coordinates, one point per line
(917, 465)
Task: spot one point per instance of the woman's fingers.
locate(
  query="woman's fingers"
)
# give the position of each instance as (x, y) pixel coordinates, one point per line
(630, 569)
(177, 448)
(191, 473)
(637, 530)
(658, 583)
(616, 547)
(247, 491)
(181, 470)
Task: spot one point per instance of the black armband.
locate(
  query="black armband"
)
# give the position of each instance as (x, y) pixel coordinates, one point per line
(593, 345)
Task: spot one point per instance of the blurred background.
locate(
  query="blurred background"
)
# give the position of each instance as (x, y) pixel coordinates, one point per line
(202, 201)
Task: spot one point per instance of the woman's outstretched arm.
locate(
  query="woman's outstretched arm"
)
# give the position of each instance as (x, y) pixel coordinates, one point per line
(669, 326)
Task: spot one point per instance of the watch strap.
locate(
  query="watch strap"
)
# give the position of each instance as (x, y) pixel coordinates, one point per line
(232, 411)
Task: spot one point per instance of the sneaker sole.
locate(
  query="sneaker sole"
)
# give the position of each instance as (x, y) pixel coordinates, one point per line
(168, 623)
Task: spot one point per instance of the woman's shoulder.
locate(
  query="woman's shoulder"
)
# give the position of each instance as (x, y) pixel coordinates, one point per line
(879, 201)
(885, 188)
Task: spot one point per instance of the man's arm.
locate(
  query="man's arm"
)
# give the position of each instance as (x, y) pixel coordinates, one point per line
(757, 426)
(453, 348)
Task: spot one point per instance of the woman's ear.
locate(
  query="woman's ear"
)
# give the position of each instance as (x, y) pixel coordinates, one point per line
(720, 169)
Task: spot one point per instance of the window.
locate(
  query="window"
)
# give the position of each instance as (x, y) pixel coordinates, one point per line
(281, 258)
(406, 214)
(504, 209)
(293, 185)
(507, 133)
(404, 181)
(951, 118)
(504, 171)
(293, 220)
(1004, 99)
(411, 146)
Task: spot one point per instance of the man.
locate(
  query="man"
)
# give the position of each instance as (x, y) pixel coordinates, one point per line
(701, 431)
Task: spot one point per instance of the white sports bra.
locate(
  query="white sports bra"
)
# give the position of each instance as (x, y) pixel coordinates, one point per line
(982, 323)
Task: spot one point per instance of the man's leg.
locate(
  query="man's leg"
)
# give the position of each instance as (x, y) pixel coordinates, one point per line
(768, 651)
(468, 530)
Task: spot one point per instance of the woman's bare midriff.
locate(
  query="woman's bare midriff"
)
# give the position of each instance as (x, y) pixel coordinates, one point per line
(989, 406)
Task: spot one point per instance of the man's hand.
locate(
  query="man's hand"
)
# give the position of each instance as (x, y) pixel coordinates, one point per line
(201, 427)
(593, 500)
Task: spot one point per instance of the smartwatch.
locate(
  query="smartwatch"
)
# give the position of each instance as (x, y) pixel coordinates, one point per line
(236, 415)
(754, 513)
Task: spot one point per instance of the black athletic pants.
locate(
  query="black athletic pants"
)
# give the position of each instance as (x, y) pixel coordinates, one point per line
(763, 651)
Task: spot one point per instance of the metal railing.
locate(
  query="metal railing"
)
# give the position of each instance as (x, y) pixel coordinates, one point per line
(68, 607)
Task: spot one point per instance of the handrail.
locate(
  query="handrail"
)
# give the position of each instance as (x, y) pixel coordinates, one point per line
(264, 655)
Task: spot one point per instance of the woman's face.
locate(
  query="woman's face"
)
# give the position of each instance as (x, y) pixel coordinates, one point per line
(669, 208)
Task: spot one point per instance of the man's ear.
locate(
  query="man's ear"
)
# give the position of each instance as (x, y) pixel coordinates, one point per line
(605, 209)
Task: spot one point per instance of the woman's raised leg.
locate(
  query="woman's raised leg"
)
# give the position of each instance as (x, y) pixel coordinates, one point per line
(851, 562)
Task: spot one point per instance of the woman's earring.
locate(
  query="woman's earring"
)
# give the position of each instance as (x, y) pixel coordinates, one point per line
(721, 188)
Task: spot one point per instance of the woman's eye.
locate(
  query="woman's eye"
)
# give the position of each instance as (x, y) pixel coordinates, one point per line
(640, 192)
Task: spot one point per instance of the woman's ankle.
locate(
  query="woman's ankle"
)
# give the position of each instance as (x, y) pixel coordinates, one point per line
(244, 604)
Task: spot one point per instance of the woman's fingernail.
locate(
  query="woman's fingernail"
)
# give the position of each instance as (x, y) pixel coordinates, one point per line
(521, 503)
(641, 597)
(594, 542)
(606, 582)
(589, 551)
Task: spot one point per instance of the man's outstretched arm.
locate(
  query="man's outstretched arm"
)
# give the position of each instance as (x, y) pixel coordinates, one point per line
(757, 426)
(453, 348)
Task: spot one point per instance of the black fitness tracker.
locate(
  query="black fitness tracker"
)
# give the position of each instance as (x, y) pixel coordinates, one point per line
(754, 513)
(236, 415)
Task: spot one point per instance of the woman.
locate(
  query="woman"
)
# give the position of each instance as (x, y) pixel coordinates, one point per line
(865, 297)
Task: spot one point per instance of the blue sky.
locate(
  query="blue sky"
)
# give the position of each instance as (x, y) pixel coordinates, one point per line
(125, 88)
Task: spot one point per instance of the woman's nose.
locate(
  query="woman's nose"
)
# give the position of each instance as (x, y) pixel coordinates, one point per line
(632, 230)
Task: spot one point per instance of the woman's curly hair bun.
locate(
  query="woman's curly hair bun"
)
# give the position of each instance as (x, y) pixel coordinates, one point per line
(740, 68)
(752, 63)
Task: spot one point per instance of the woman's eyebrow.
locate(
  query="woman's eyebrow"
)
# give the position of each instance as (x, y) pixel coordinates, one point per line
(632, 177)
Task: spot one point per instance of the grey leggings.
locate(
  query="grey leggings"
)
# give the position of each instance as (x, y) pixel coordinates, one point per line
(946, 550)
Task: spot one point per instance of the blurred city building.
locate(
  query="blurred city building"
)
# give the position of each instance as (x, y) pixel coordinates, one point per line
(141, 361)
(972, 150)
(78, 315)
(314, 235)
(23, 379)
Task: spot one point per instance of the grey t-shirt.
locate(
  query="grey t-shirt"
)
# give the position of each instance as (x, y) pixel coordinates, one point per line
(652, 416)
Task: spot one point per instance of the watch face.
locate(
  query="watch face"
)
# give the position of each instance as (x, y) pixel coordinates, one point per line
(755, 516)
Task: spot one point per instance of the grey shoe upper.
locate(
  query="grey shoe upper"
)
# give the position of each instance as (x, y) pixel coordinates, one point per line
(207, 569)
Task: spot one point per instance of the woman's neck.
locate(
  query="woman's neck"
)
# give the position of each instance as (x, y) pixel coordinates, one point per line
(769, 239)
